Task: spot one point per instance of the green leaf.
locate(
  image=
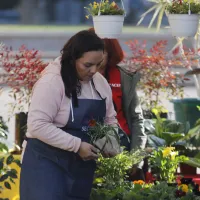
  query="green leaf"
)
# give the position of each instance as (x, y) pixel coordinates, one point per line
(3, 147)
(144, 14)
(17, 162)
(12, 173)
(3, 177)
(9, 159)
(173, 126)
(171, 138)
(155, 141)
(1, 163)
(11, 180)
(160, 16)
(158, 9)
(7, 185)
(193, 162)
(198, 156)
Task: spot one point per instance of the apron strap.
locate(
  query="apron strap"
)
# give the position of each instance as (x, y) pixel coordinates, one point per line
(75, 98)
(96, 90)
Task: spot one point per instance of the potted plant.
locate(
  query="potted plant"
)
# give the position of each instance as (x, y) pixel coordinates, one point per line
(183, 16)
(182, 10)
(108, 18)
(111, 175)
(157, 80)
(22, 70)
(161, 190)
(165, 132)
(165, 161)
(104, 137)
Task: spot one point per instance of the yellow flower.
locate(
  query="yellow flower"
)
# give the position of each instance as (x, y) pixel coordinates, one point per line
(95, 3)
(167, 151)
(113, 4)
(87, 16)
(95, 6)
(140, 182)
(184, 188)
(173, 155)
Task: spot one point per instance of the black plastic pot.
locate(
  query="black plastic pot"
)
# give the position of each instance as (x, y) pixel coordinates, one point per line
(20, 127)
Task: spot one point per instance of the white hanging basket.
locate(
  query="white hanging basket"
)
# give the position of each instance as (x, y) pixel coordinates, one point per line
(108, 26)
(183, 25)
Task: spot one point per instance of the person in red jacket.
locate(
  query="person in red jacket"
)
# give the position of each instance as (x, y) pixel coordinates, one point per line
(125, 98)
(112, 57)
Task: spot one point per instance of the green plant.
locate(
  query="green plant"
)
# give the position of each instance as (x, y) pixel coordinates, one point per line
(194, 135)
(105, 7)
(182, 7)
(194, 161)
(159, 191)
(111, 175)
(3, 135)
(112, 172)
(7, 174)
(98, 130)
(165, 161)
(164, 132)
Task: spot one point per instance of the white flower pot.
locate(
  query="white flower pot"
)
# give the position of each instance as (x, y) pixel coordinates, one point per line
(108, 26)
(183, 25)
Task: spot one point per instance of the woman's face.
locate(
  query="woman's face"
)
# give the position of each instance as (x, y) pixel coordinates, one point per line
(88, 64)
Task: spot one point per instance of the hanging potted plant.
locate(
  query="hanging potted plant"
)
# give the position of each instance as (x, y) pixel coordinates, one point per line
(108, 18)
(179, 12)
(183, 16)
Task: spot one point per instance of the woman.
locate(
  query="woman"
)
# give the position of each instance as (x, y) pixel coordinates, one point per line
(125, 98)
(59, 162)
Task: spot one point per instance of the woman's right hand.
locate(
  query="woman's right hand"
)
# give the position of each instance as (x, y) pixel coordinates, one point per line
(88, 151)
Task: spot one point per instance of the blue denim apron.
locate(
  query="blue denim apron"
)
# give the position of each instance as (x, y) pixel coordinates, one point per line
(50, 173)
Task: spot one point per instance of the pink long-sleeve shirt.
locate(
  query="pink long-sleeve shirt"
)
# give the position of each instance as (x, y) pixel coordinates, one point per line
(50, 108)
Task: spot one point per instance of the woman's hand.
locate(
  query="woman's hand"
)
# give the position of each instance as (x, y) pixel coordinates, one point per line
(107, 154)
(87, 151)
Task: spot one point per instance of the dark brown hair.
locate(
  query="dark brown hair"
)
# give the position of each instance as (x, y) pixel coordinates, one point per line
(80, 43)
